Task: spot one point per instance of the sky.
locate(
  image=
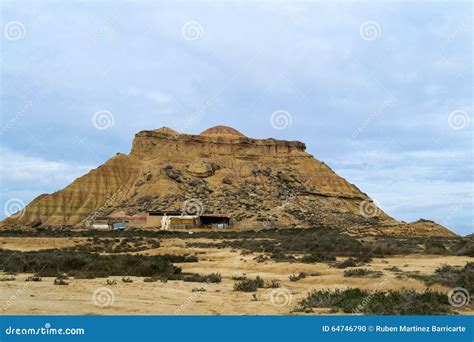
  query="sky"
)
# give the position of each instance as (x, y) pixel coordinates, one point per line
(379, 91)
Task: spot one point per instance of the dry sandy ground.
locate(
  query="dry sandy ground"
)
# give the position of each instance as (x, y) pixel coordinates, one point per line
(177, 297)
(25, 244)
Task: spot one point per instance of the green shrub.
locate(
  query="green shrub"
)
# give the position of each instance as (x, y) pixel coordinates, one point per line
(273, 284)
(350, 262)
(393, 269)
(239, 277)
(59, 281)
(464, 247)
(435, 247)
(80, 264)
(405, 302)
(453, 276)
(197, 278)
(317, 257)
(296, 277)
(214, 278)
(249, 285)
(362, 272)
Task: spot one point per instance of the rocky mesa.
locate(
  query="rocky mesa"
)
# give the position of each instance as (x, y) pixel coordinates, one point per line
(260, 182)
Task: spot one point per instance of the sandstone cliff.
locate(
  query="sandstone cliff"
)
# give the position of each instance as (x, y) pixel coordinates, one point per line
(261, 182)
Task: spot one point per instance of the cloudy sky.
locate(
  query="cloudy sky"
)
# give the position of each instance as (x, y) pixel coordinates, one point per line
(382, 92)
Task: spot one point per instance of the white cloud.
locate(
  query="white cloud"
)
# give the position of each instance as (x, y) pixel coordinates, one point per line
(409, 185)
(25, 177)
(19, 169)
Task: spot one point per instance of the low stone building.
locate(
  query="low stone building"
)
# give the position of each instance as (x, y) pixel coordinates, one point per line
(176, 220)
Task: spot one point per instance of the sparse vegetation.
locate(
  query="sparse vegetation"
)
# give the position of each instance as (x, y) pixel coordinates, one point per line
(239, 277)
(273, 284)
(318, 243)
(214, 278)
(393, 269)
(362, 272)
(197, 278)
(249, 285)
(106, 254)
(127, 280)
(118, 245)
(60, 281)
(405, 302)
(296, 277)
(435, 247)
(318, 257)
(324, 245)
(451, 276)
(350, 262)
(54, 262)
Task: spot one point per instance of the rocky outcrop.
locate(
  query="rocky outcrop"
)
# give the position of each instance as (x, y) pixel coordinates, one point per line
(222, 130)
(418, 228)
(261, 182)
